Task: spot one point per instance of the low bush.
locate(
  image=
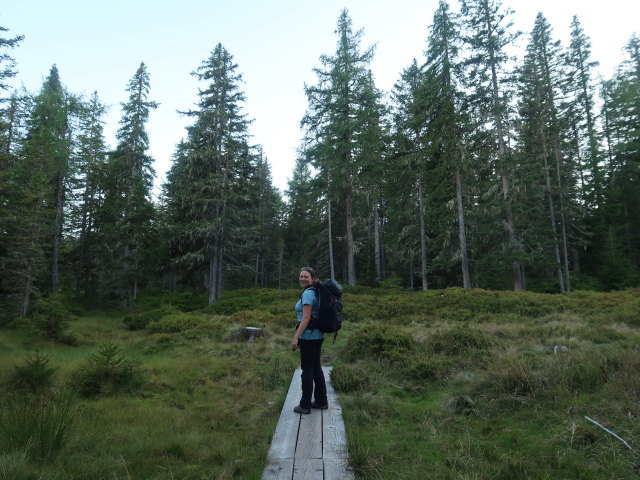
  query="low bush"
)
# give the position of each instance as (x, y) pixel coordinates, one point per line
(51, 316)
(34, 375)
(429, 368)
(380, 342)
(141, 320)
(457, 341)
(348, 378)
(174, 323)
(107, 372)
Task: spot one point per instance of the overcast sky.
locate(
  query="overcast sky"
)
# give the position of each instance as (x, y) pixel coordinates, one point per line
(98, 46)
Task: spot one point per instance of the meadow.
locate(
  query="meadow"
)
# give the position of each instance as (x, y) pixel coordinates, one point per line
(444, 384)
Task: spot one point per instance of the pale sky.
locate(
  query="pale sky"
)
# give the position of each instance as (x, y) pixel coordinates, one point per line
(98, 46)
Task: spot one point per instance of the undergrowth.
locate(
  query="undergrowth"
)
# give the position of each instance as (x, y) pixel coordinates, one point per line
(449, 384)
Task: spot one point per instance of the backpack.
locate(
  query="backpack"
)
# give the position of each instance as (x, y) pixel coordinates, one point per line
(329, 297)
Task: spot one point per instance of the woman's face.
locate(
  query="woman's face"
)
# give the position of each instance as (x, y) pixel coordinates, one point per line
(306, 280)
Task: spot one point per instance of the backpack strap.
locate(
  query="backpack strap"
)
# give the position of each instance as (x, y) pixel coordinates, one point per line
(312, 325)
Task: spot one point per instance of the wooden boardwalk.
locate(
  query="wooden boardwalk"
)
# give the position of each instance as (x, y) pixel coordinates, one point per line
(309, 447)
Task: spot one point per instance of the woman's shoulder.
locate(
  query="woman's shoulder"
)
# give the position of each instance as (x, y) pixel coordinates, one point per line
(309, 292)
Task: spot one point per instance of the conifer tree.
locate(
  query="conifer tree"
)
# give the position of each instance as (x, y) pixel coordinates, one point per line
(447, 127)
(409, 167)
(543, 135)
(40, 177)
(125, 218)
(207, 181)
(586, 139)
(335, 119)
(489, 35)
(90, 158)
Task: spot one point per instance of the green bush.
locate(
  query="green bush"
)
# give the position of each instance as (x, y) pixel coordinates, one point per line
(348, 378)
(39, 427)
(227, 306)
(51, 316)
(432, 368)
(178, 322)
(380, 342)
(107, 372)
(34, 375)
(457, 341)
(140, 321)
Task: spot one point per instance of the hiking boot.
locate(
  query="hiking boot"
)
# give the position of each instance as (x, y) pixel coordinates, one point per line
(299, 409)
(317, 405)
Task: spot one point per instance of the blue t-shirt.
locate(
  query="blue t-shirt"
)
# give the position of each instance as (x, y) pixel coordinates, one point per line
(309, 298)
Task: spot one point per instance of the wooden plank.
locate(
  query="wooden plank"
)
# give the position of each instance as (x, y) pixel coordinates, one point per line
(308, 469)
(333, 431)
(337, 469)
(283, 444)
(309, 443)
(281, 469)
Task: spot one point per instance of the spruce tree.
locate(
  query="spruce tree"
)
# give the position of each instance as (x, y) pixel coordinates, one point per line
(334, 121)
(409, 167)
(447, 127)
(125, 218)
(207, 181)
(40, 181)
(489, 34)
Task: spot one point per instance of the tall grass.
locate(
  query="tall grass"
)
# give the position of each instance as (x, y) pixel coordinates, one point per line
(40, 428)
(449, 384)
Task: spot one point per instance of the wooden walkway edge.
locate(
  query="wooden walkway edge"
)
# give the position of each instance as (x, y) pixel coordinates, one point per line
(309, 447)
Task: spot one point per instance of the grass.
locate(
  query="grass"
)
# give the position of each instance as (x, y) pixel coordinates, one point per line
(449, 384)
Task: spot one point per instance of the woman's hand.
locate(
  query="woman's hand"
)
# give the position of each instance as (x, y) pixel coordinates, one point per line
(294, 344)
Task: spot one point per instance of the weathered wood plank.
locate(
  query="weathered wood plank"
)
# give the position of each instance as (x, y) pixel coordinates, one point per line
(310, 435)
(309, 447)
(337, 469)
(308, 469)
(281, 469)
(283, 444)
(333, 431)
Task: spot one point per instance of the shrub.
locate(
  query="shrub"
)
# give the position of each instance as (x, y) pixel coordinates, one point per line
(434, 368)
(38, 427)
(107, 372)
(380, 342)
(174, 323)
(349, 378)
(227, 306)
(140, 321)
(34, 375)
(50, 316)
(458, 341)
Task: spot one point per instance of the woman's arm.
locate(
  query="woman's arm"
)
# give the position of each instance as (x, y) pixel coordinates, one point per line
(306, 318)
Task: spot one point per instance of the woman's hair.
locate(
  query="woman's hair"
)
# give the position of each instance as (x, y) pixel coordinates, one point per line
(309, 270)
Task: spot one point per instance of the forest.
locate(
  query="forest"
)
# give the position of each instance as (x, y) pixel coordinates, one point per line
(481, 168)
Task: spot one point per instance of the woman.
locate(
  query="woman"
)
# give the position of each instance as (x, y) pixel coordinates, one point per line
(309, 340)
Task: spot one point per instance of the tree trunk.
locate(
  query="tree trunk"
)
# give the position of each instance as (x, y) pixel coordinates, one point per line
(376, 233)
(423, 239)
(351, 262)
(563, 227)
(466, 281)
(552, 218)
(331, 267)
(57, 233)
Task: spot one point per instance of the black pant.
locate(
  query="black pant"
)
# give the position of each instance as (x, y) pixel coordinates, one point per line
(312, 376)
